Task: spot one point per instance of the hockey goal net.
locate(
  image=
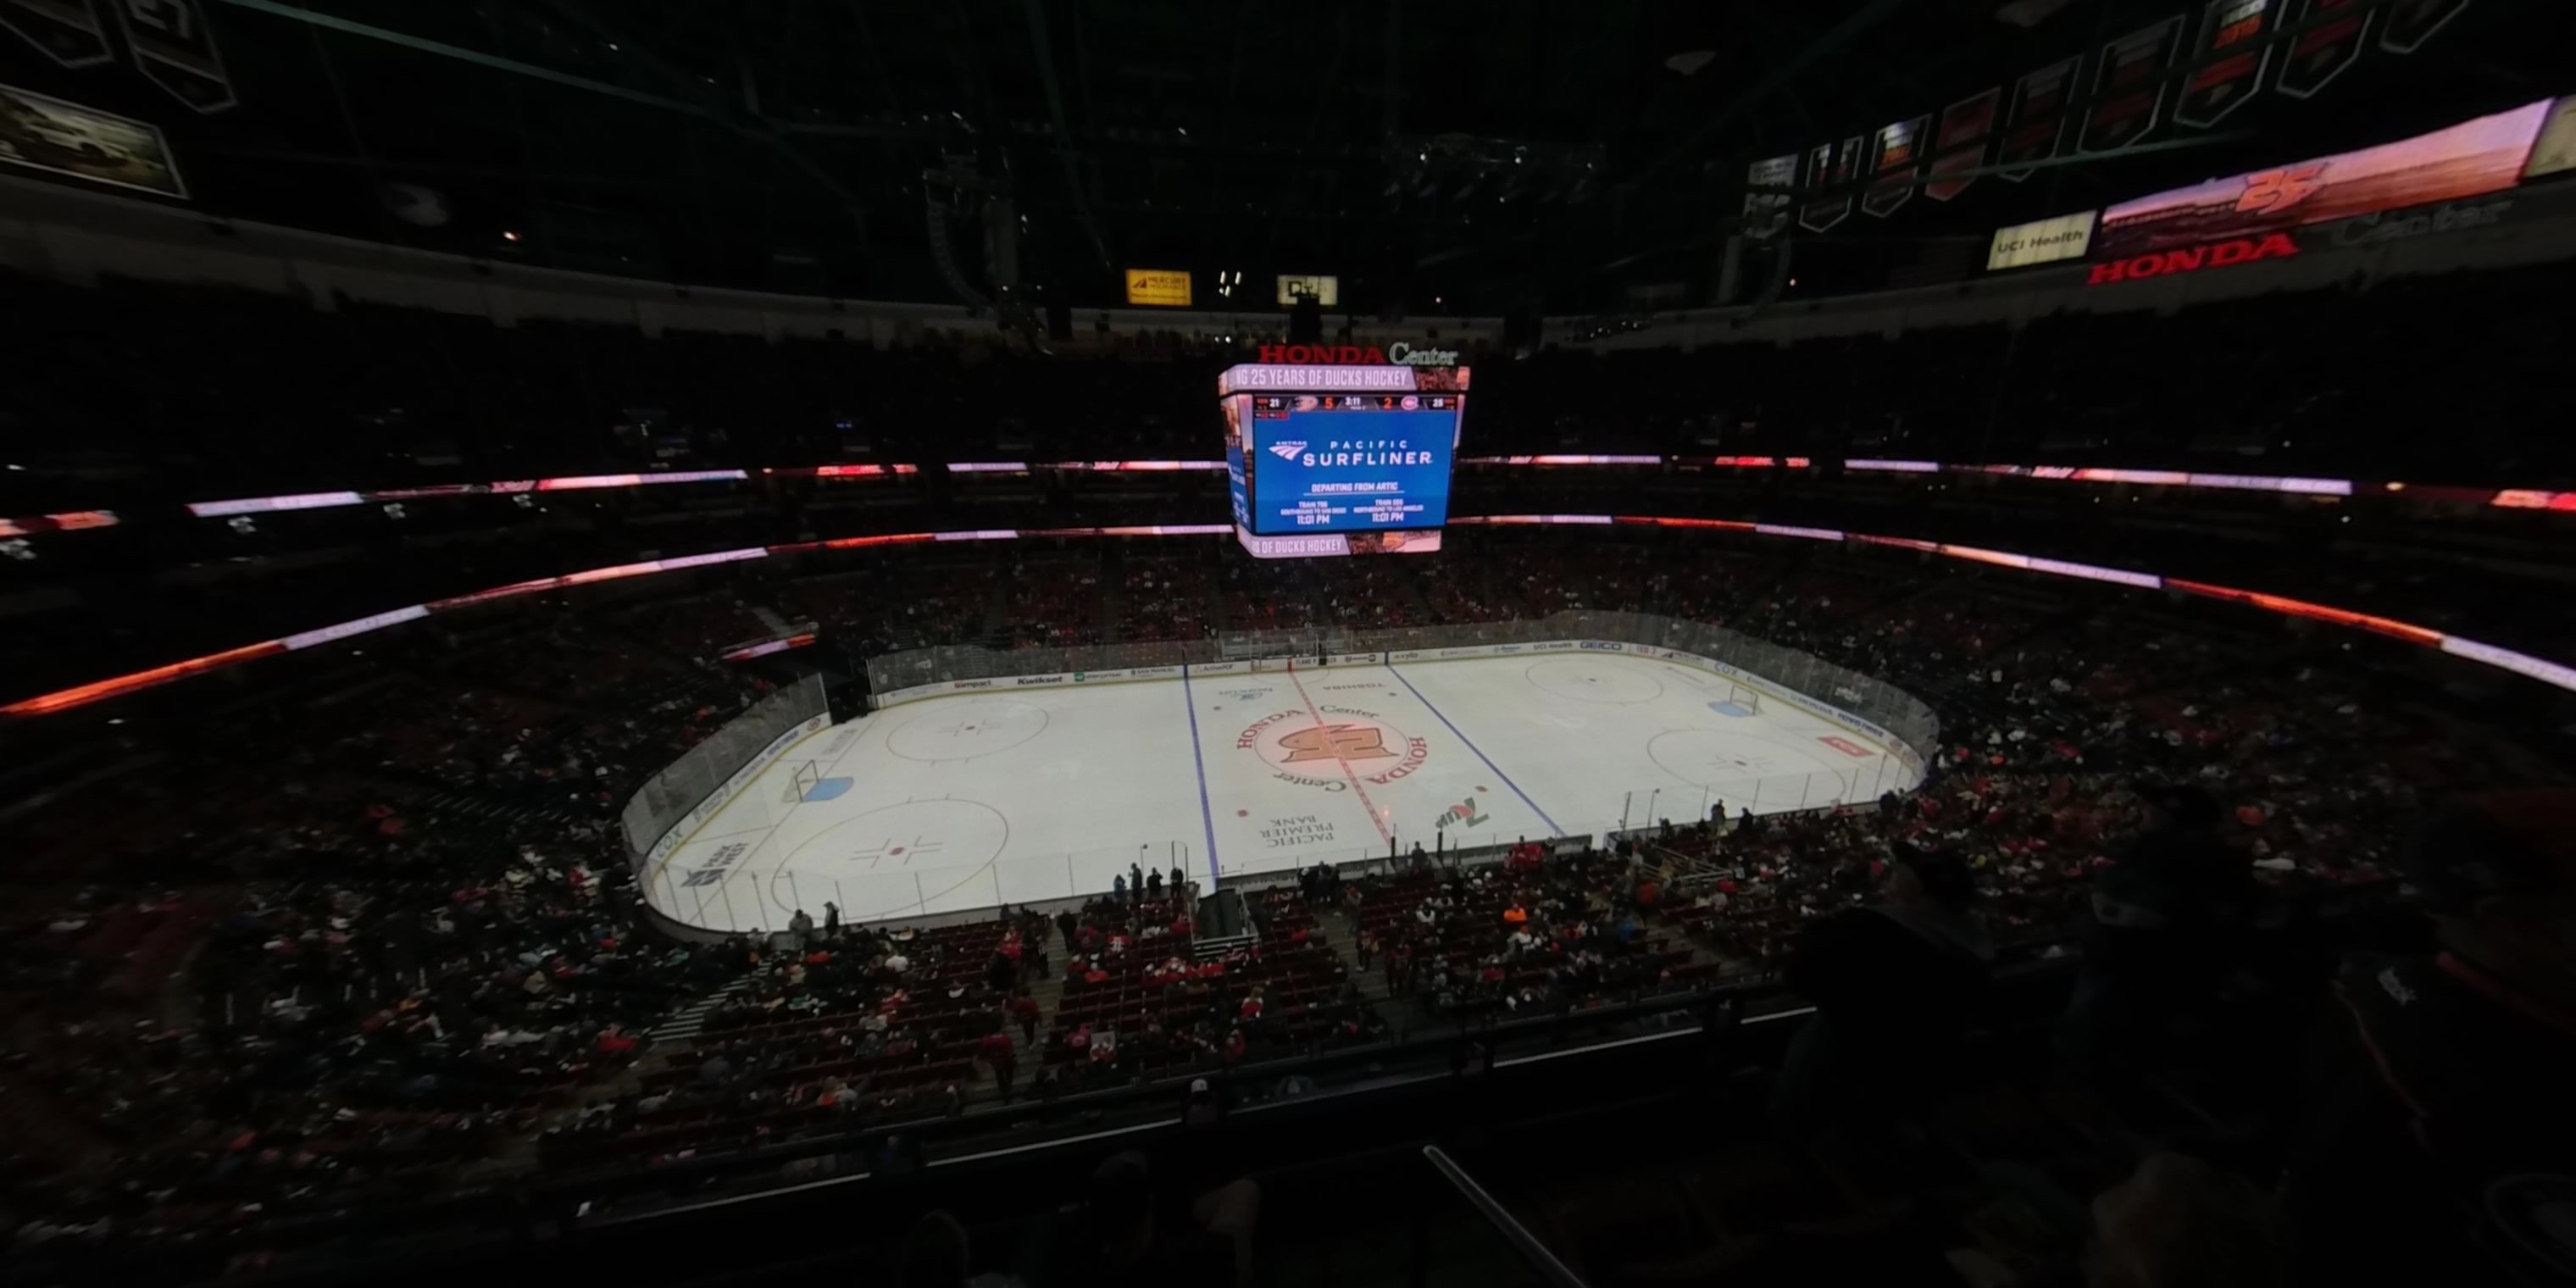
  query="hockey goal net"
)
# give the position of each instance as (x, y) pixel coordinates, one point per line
(801, 779)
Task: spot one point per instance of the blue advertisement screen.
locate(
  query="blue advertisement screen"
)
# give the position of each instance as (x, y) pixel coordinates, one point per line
(1316, 468)
(1234, 464)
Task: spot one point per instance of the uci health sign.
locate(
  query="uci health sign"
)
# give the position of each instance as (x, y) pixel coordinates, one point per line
(1163, 287)
(2044, 242)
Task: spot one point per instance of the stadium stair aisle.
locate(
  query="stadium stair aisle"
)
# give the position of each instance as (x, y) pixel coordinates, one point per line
(1031, 1052)
(993, 627)
(685, 1024)
(1408, 584)
(1113, 594)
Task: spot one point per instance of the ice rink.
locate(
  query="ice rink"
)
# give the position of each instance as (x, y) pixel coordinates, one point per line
(1011, 796)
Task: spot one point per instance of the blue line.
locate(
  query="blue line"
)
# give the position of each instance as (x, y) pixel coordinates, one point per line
(1207, 817)
(1552, 828)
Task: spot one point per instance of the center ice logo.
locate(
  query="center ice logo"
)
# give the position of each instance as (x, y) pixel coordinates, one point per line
(1329, 746)
(1337, 742)
(1287, 449)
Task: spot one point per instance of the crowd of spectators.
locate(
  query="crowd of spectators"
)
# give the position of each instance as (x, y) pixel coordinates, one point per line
(1534, 935)
(427, 950)
(1139, 999)
(827, 1026)
(400, 957)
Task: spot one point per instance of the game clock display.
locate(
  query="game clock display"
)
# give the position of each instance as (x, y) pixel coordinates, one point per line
(1314, 472)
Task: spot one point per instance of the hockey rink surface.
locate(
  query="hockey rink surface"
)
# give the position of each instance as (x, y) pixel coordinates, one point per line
(1011, 796)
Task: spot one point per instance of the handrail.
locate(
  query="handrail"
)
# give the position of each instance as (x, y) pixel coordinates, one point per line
(1533, 1253)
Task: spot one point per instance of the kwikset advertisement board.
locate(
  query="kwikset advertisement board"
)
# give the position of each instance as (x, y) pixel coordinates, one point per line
(1340, 460)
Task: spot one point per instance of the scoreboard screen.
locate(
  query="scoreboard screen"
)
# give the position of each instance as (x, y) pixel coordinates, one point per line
(1317, 470)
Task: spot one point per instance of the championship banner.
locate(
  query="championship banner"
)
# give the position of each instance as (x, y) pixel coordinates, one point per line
(1960, 144)
(175, 49)
(68, 31)
(1766, 214)
(2221, 87)
(2470, 159)
(1896, 151)
(45, 133)
(2412, 22)
(1165, 287)
(2129, 87)
(1828, 168)
(2036, 124)
(2324, 52)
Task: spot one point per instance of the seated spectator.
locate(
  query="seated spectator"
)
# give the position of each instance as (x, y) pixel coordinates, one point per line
(2177, 1222)
(2166, 913)
(2436, 1138)
(1893, 982)
(1128, 1235)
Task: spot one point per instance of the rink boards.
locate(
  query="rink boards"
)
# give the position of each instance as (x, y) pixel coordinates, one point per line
(967, 794)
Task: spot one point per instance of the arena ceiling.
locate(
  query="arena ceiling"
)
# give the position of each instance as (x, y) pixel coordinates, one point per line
(1489, 155)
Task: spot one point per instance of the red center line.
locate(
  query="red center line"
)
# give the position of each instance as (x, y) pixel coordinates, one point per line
(1345, 761)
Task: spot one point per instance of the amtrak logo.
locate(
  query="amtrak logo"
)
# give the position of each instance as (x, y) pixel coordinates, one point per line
(1287, 449)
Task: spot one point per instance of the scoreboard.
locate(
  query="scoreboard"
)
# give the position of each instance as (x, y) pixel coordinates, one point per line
(1335, 460)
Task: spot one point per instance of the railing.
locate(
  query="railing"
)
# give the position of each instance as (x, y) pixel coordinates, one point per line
(1532, 1253)
(1027, 880)
(1351, 865)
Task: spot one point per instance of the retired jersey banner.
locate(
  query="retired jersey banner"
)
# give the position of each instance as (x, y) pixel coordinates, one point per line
(2325, 51)
(1896, 152)
(1830, 167)
(1960, 143)
(2036, 124)
(68, 31)
(1766, 214)
(175, 49)
(2129, 87)
(2236, 33)
(2412, 22)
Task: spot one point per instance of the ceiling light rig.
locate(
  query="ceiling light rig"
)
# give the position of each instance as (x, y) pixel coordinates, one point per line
(1460, 165)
